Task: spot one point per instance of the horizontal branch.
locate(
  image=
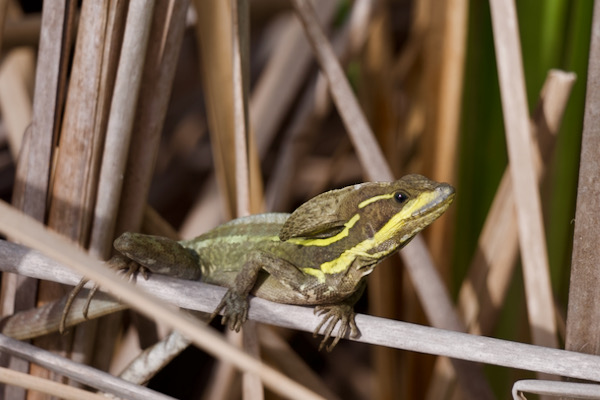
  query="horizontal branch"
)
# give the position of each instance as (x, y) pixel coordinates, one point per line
(374, 330)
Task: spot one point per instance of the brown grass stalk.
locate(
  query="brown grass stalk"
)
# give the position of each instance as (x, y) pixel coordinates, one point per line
(584, 297)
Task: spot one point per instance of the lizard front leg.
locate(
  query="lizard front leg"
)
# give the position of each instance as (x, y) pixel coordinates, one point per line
(234, 305)
(342, 313)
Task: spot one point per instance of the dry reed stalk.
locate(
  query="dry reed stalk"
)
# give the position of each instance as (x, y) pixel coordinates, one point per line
(528, 207)
(483, 292)
(444, 77)
(120, 125)
(81, 373)
(165, 42)
(33, 167)
(44, 386)
(583, 314)
(240, 75)
(16, 79)
(214, 35)
(77, 163)
(432, 292)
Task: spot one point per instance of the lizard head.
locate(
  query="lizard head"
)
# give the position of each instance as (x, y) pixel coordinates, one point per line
(397, 211)
(385, 213)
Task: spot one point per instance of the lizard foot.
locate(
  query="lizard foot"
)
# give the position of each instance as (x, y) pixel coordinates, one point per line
(332, 314)
(235, 310)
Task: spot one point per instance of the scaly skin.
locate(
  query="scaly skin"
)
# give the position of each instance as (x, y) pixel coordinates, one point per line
(319, 255)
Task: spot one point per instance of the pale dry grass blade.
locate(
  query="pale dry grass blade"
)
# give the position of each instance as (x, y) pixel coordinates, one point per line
(16, 74)
(82, 373)
(46, 386)
(520, 149)
(556, 389)
(240, 77)
(164, 46)
(120, 124)
(33, 234)
(583, 314)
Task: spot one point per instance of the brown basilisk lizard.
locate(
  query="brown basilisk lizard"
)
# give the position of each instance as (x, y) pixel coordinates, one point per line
(318, 255)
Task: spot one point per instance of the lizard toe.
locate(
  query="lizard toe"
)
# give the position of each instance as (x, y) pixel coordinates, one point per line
(234, 308)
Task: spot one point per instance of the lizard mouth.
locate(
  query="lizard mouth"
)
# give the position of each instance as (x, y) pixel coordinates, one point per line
(439, 200)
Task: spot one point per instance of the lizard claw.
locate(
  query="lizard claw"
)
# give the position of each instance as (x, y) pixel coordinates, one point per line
(235, 310)
(332, 314)
(119, 263)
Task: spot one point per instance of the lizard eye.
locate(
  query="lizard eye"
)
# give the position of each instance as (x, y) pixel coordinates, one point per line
(400, 197)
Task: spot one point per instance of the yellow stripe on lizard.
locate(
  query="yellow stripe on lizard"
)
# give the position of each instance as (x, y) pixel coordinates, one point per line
(330, 240)
(343, 262)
